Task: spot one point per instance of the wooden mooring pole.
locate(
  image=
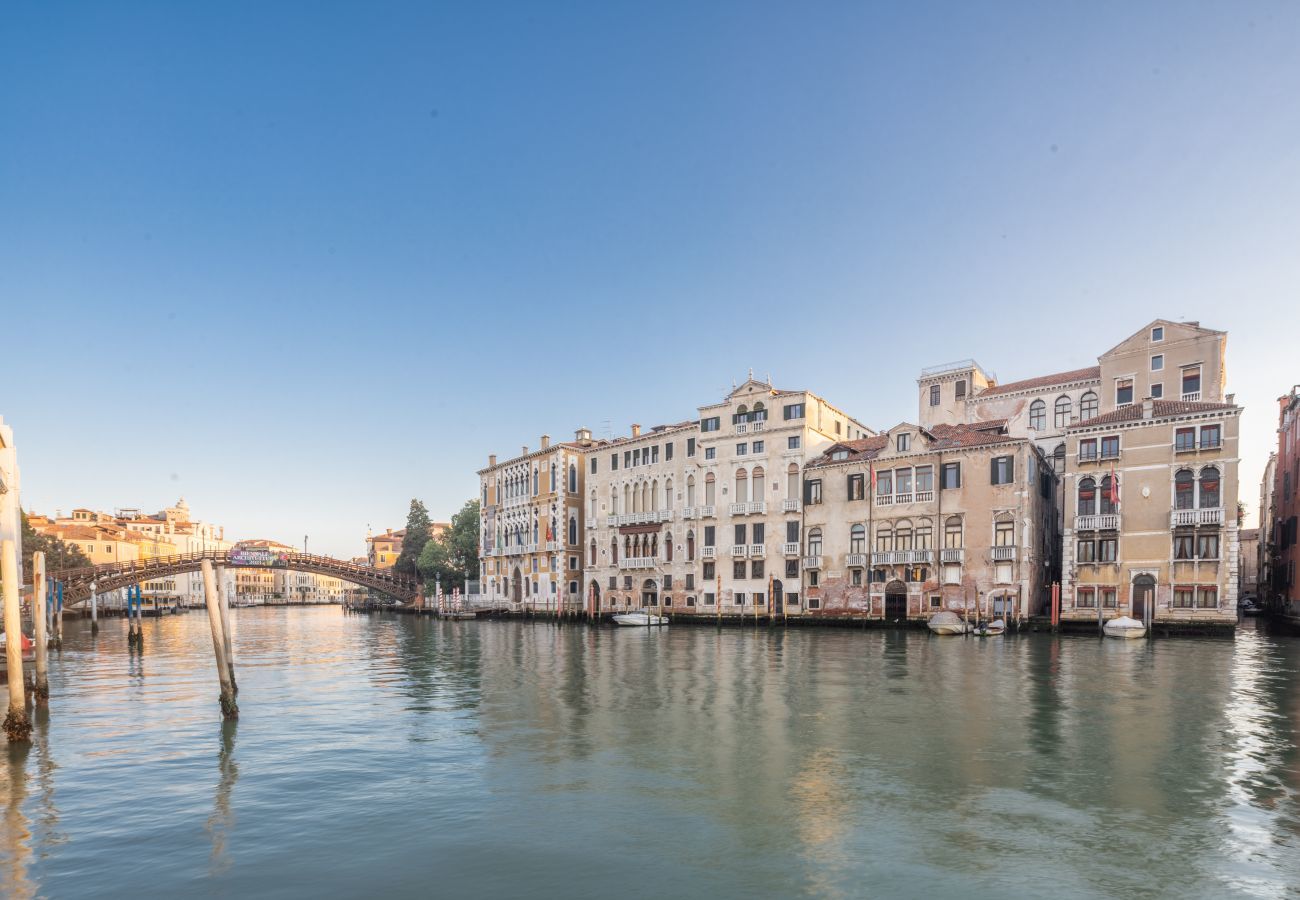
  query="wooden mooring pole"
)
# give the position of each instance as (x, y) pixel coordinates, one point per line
(227, 642)
(58, 620)
(39, 599)
(211, 595)
(94, 609)
(17, 726)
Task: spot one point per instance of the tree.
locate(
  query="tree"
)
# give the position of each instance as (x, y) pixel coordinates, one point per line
(58, 555)
(417, 535)
(452, 557)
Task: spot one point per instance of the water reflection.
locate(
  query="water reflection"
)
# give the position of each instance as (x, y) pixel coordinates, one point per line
(222, 820)
(15, 828)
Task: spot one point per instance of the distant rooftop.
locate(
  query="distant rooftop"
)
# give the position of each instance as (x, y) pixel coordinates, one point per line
(958, 366)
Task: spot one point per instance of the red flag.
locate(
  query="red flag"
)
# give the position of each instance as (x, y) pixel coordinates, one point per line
(872, 466)
(1114, 486)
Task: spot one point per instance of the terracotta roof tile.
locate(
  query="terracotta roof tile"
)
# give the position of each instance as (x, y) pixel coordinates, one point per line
(1042, 381)
(1160, 409)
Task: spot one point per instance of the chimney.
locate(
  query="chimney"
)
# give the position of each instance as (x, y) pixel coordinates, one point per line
(492, 460)
(1229, 398)
(546, 441)
(1148, 408)
(636, 430)
(524, 450)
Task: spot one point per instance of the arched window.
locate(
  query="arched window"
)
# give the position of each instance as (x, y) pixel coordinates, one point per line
(1058, 459)
(627, 546)
(1209, 488)
(884, 539)
(535, 481)
(1088, 497)
(1004, 531)
(709, 489)
(742, 486)
(1038, 415)
(690, 490)
(535, 531)
(593, 552)
(923, 535)
(593, 506)
(636, 499)
(903, 536)
(952, 533)
(742, 414)
(814, 542)
(613, 500)
(653, 504)
(573, 479)
(627, 499)
(759, 414)
(573, 530)
(690, 546)
(1062, 412)
(758, 483)
(646, 499)
(858, 539)
(1184, 489)
(668, 493)
(668, 547)
(792, 482)
(1105, 502)
(1087, 406)
(555, 485)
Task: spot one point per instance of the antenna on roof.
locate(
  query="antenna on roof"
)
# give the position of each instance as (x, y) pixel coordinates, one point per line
(751, 373)
(769, 379)
(608, 425)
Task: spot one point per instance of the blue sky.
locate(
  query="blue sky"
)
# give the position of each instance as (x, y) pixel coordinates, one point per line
(302, 262)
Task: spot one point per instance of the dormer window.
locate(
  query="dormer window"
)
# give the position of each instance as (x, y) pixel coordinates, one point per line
(1157, 334)
(840, 454)
(904, 442)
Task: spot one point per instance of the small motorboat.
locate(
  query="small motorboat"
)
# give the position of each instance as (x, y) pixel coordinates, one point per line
(29, 651)
(989, 629)
(641, 617)
(947, 623)
(1124, 627)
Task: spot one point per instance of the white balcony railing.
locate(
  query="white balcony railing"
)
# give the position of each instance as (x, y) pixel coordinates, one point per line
(1195, 517)
(790, 549)
(639, 562)
(1191, 396)
(902, 556)
(690, 512)
(812, 562)
(611, 520)
(924, 496)
(742, 509)
(757, 426)
(789, 506)
(757, 551)
(742, 427)
(738, 509)
(884, 499)
(855, 559)
(758, 507)
(708, 553)
(740, 550)
(553, 546)
(903, 497)
(1004, 553)
(1103, 522)
(707, 512)
(951, 554)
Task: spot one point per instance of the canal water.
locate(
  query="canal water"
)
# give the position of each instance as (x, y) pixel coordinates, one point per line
(400, 756)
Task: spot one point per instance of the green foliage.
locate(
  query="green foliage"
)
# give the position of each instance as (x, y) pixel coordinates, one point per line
(452, 557)
(417, 535)
(58, 555)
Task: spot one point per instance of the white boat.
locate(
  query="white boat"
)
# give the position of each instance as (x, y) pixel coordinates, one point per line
(947, 623)
(1124, 627)
(988, 629)
(641, 617)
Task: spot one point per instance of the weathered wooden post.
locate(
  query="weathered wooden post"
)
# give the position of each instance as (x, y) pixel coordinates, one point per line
(94, 609)
(225, 628)
(42, 691)
(58, 622)
(211, 595)
(16, 724)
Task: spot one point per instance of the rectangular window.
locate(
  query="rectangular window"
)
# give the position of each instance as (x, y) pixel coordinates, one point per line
(760, 532)
(1110, 447)
(593, 465)
(792, 442)
(1001, 469)
(709, 532)
(758, 446)
(1211, 437)
(756, 569)
(837, 426)
(1085, 598)
(668, 582)
(613, 462)
(792, 599)
(1192, 383)
(1207, 546)
(793, 411)
(960, 391)
(1087, 551)
(636, 457)
(904, 443)
(1157, 391)
(710, 452)
(1183, 544)
(814, 578)
(855, 577)
(627, 582)
(1184, 439)
(885, 482)
(924, 478)
(1087, 450)
(690, 446)
(742, 449)
(792, 532)
(1158, 334)
(710, 424)
(709, 600)
(792, 568)
(738, 598)
(1123, 391)
(1184, 597)
(740, 534)
(1207, 597)
(738, 569)
(654, 453)
(668, 452)
(1108, 598)
(627, 459)
(710, 571)
(1107, 550)
(812, 492)
(934, 395)
(857, 487)
(1158, 362)
(950, 476)
(690, 581)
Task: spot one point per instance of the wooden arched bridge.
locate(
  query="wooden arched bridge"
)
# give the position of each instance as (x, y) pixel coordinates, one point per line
(110, 576)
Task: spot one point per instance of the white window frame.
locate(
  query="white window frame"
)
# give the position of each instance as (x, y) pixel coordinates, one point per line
(1154, 329)
(1157, 362)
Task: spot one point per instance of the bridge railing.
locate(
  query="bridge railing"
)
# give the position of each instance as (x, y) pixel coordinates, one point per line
(222, 557)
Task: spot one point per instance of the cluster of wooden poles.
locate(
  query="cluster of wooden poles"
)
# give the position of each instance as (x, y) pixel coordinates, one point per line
(17, 723)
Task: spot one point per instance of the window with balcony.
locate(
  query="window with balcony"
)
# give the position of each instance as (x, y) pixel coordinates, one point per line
(1108, 499)
(884, 539)
(934, 395)
(1184, 439)
(1123, 391)
(903, 484)
(1110, 447)
(710, 531)
(1001, 470)
(923, 536)
(885, 484)
(792, 532)
(1192, 383)
(1211, 437)
(858, 539)
(1038, 415)
(950, 475)
(1061, 416)
(740, 531)
(1004, 532)
(1184, 489)
(924, 481)
(1087, 497)
(1209, 492)
(814, 542)
(952, 533)
(857, 487)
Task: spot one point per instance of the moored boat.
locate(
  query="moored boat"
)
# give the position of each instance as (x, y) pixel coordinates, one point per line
(989, 629)
(641, 617)
(29, 651)
(947, 623)
(1124, 627)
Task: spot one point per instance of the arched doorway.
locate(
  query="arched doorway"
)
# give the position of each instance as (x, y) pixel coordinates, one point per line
(595, 598)
(1144, 588)
(517, 586)
(778, 597)
(649, 593)
(896, 602)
